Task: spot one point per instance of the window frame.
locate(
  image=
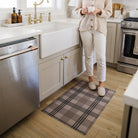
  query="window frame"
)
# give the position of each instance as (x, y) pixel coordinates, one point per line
(4, 12)
(7, 9)
(23, 6)
(45, 1)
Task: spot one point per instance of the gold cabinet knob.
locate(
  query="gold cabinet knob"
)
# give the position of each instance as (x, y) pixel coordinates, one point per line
(62, 58)
(66, 56)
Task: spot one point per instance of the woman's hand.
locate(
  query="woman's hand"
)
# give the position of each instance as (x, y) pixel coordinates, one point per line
(96, 11)
(84, 11)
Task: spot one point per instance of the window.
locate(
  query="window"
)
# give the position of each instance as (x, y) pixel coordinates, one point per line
(8, 3)
(72, 3)
(44, 4)
(60, 4)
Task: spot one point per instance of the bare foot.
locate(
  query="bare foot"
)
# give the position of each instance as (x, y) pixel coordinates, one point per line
(101, 84)
(90, 78)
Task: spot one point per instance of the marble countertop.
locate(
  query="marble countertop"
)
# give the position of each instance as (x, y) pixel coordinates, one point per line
(8, 34)
(21, 32)
(16, 33)
(114, 20)
(76, 21)
(131, 94)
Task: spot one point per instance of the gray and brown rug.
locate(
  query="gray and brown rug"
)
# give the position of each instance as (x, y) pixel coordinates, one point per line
(79, 107)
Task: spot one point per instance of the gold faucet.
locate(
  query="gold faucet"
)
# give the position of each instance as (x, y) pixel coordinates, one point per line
(29, 18)
(40, 18)
(35, 20)
(35, 12)
(49, 16)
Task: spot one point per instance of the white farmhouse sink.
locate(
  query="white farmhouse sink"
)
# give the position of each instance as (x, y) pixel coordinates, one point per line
(56, 37)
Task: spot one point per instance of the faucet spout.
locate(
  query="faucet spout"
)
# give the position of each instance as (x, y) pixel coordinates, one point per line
(35, 10)
(35, 13)
(39, 3)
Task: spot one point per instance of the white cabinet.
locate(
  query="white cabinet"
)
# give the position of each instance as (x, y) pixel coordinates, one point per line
(130, 122)
(113, 42)
(58, 71)
(50, 76)
(118, 42)
(72, 65)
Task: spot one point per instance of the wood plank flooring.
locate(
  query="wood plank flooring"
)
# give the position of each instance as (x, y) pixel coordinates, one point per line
(108, 124)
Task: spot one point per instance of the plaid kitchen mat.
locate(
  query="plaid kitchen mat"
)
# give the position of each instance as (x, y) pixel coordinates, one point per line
(79, 107)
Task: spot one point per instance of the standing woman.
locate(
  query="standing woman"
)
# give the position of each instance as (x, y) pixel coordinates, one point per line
(93, 29)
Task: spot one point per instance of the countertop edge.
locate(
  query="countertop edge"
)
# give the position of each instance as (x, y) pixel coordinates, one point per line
(131, 94)
(130, 101)
(20, 37)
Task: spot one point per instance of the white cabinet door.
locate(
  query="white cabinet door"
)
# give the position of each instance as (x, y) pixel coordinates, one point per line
(118, 42)
(111, 42)
(50, 77)
(58, 71)
(72, 64)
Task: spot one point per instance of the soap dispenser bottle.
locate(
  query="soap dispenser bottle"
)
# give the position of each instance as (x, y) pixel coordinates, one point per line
(14, 16)
(19, 17)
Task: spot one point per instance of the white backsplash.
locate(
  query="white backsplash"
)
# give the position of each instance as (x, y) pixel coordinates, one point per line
(67, 11)
(59, 12)
(54, 15)
(130, 4)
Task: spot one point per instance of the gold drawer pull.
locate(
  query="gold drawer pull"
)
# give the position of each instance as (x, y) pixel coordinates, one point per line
(62, 58)
(66, 56)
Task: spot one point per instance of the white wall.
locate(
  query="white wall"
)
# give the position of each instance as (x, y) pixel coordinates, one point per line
(130, 4)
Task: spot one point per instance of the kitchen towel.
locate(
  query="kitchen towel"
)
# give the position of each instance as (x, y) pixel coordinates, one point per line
(135, 51)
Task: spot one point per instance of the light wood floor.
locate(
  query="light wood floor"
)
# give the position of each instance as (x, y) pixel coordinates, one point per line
(108, 125)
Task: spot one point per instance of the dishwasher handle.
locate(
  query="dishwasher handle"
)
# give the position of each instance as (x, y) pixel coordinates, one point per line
(30, 48)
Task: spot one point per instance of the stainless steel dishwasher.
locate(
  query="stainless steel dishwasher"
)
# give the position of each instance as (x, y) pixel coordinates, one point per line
(19, 85)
